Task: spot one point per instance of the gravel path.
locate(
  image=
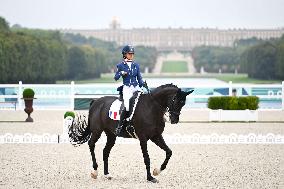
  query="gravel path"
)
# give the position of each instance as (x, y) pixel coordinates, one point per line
(191, 166)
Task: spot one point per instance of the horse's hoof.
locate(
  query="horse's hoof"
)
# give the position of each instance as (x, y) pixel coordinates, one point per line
(153, 180)
(108, 176)
(156, 172)
(94, 175)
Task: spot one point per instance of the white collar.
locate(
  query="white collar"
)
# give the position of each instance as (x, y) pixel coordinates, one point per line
(127, 61)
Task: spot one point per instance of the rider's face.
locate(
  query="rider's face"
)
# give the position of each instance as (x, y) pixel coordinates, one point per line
(129, 56)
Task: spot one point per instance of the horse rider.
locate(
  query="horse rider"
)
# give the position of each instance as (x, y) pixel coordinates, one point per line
(132, 81)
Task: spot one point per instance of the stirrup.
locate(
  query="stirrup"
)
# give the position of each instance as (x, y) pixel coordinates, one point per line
(126, 124)
(118, 130)
(129, 128)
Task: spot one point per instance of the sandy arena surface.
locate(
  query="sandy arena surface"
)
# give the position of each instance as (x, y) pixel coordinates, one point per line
(191, 166)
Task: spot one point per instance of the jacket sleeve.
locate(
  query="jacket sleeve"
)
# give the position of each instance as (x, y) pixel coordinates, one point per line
(117, 74)
(139, 77)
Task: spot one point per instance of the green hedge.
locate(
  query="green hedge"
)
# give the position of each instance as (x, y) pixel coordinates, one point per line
(233, 103)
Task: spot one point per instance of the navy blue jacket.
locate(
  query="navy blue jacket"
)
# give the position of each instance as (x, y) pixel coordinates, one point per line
(133, 76)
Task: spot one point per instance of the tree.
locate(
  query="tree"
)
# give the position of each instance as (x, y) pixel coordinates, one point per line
(279, 66)
(214, 58)
(32, 56)
(76, 63)
(262, 59)
(4, 26)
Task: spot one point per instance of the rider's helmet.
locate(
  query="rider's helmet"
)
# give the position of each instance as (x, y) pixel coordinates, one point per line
(127, 49)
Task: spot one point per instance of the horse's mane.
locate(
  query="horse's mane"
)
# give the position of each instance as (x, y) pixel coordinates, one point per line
(164, 86)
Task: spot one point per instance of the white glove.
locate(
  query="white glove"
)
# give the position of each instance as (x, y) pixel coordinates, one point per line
(140, 89)
(123, 73)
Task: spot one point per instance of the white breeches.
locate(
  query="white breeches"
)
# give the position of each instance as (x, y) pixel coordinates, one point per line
(128, 93)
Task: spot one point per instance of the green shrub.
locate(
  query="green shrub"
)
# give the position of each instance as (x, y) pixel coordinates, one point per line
(72, 114)
(253, 103)
(225, 102)
(233, 103)
(243, 103)
(28, 93)
(214, 102)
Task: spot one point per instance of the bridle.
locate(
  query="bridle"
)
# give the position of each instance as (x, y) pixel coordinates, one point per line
(168, 108)
(171, 106)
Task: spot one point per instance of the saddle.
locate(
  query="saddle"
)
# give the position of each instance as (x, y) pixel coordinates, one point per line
(117, 106)
(116, 109)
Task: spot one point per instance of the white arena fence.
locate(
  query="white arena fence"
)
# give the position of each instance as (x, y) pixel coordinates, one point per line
(62, 96)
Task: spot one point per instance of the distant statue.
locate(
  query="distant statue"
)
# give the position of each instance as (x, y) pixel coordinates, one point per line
(202, 70)
(236, 71)
(234, 92)
(146, 70)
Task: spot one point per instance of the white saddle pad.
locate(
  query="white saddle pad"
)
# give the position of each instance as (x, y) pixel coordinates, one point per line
(114, 110)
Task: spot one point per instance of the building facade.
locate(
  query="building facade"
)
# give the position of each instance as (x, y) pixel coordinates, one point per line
(181, 39)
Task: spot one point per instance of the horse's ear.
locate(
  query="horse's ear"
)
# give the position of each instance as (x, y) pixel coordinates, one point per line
(189, 92)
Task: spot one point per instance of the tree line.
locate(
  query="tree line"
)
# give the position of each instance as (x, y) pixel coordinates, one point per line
(31, 59)
(43, 56)
(146, 56)
(265, 60)
(260, 59)
(225, 59)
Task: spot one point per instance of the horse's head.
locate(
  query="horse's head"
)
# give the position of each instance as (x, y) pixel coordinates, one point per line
(172, 99)
(175, 104)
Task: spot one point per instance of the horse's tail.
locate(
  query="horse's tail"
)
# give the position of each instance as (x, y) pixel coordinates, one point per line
(79, 131)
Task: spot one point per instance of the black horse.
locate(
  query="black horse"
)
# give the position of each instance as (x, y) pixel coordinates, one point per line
(148, 122)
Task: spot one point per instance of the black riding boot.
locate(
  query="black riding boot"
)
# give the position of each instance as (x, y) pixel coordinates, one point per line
(122, 122)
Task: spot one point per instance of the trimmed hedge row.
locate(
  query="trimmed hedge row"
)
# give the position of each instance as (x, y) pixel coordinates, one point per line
(233, 103)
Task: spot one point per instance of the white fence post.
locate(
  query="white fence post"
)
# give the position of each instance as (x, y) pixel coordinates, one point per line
(72, 98)
(230, 88)
(20, 92)
(282, 95)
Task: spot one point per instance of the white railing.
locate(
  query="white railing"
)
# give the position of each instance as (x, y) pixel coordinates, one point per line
(69, 92)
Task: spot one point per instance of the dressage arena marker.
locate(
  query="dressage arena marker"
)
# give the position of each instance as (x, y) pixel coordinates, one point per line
(175, 138)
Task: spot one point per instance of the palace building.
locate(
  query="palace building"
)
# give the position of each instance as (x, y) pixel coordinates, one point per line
(181, 39)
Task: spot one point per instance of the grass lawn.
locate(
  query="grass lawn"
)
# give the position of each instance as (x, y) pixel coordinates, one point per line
(174, 67)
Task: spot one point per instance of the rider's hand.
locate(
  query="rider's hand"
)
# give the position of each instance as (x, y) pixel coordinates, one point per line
(123, 73)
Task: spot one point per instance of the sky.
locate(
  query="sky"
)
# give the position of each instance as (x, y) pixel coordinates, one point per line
(97, 14)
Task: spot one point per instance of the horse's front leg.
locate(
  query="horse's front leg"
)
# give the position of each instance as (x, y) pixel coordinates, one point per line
(159, 141)
(143, 144)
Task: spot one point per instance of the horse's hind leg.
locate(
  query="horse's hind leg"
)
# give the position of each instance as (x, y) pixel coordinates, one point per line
(159, 141)
(92, 142)
(109, 144)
